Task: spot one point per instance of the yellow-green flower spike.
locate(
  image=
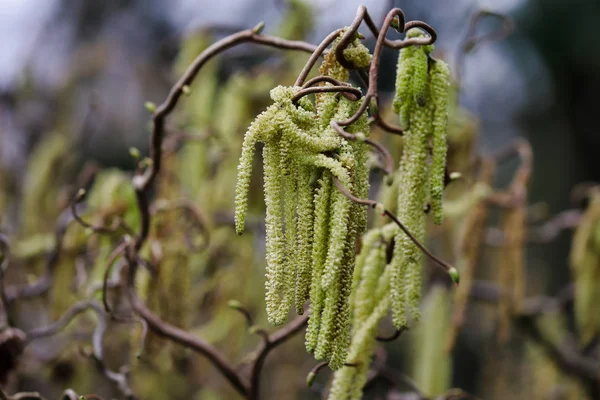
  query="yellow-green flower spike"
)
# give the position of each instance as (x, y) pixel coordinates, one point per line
(412, 78)
(261, 127)
(349, 380)
(369, 241)
(440, 92)
(364, 301)
(274, 233)
(319, 254)
(288, 172)
(412, 195)
(305, 232)
(420, 77)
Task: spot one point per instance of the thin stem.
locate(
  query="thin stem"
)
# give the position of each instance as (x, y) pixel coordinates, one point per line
(267, 346)
(315, 56)
(375, 204)
(109, 263)
(143, 181)
(324, 78)
(383, 152)
(184, 338)
(64, 320)
(470, 41)
(392, 337)
(351, 93)
(117, 224)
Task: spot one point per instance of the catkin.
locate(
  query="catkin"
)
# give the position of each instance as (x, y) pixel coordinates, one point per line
(422, 91)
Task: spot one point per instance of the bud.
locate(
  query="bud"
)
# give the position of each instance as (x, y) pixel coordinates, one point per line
(455, 175)
(135, 153)
(80, 194)
(453, 272)
(310, 378)
(259, 28)
(150, 106)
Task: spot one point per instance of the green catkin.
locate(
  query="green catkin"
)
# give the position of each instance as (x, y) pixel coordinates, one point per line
(403, 100)
(374, 265)
(419, 179)
(319, 254)
(440, 92)
(361, 172)
(420, 77)
(432, 369)
(333, 280)
(348, 381)
(369, 241)
(412, 194)
(274, 232)
(288, 173)
(302, 257)
(252, 136)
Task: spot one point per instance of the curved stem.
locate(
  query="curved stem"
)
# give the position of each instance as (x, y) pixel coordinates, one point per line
(351, 93)
(374, 204)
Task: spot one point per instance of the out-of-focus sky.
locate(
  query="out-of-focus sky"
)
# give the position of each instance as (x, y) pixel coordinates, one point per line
(29, 38)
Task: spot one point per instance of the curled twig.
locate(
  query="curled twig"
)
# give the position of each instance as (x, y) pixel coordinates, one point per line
(109, 263)
(349, 92)
(470, 42)
(324, 78)
(372, 92)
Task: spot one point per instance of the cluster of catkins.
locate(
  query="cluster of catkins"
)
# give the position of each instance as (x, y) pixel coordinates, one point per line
(311, 227)
(422, 91)
(382, 280)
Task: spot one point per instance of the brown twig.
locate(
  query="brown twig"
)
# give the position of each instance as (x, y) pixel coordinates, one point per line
(186, 339)
(392, 337)
(470, 41)
(320, 50)
(349, 92)
(143, 180)
(113, 229)
(374, 204)
(273, 341)
(566, 359)
(388, 161)
(109, 263)
(324, 78)
(372, 92)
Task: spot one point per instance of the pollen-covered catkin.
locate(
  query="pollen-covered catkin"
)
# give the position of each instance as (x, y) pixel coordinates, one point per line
(304, 240)
(275, 243)
(319, 254)
(440, 92)
(311, 226)
(422, 91)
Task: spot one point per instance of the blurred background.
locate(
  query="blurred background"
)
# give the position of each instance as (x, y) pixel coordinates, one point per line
(82, 71)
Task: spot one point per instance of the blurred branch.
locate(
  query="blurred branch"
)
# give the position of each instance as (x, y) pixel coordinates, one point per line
(471, 41)
(42, 285)
(566, 359)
